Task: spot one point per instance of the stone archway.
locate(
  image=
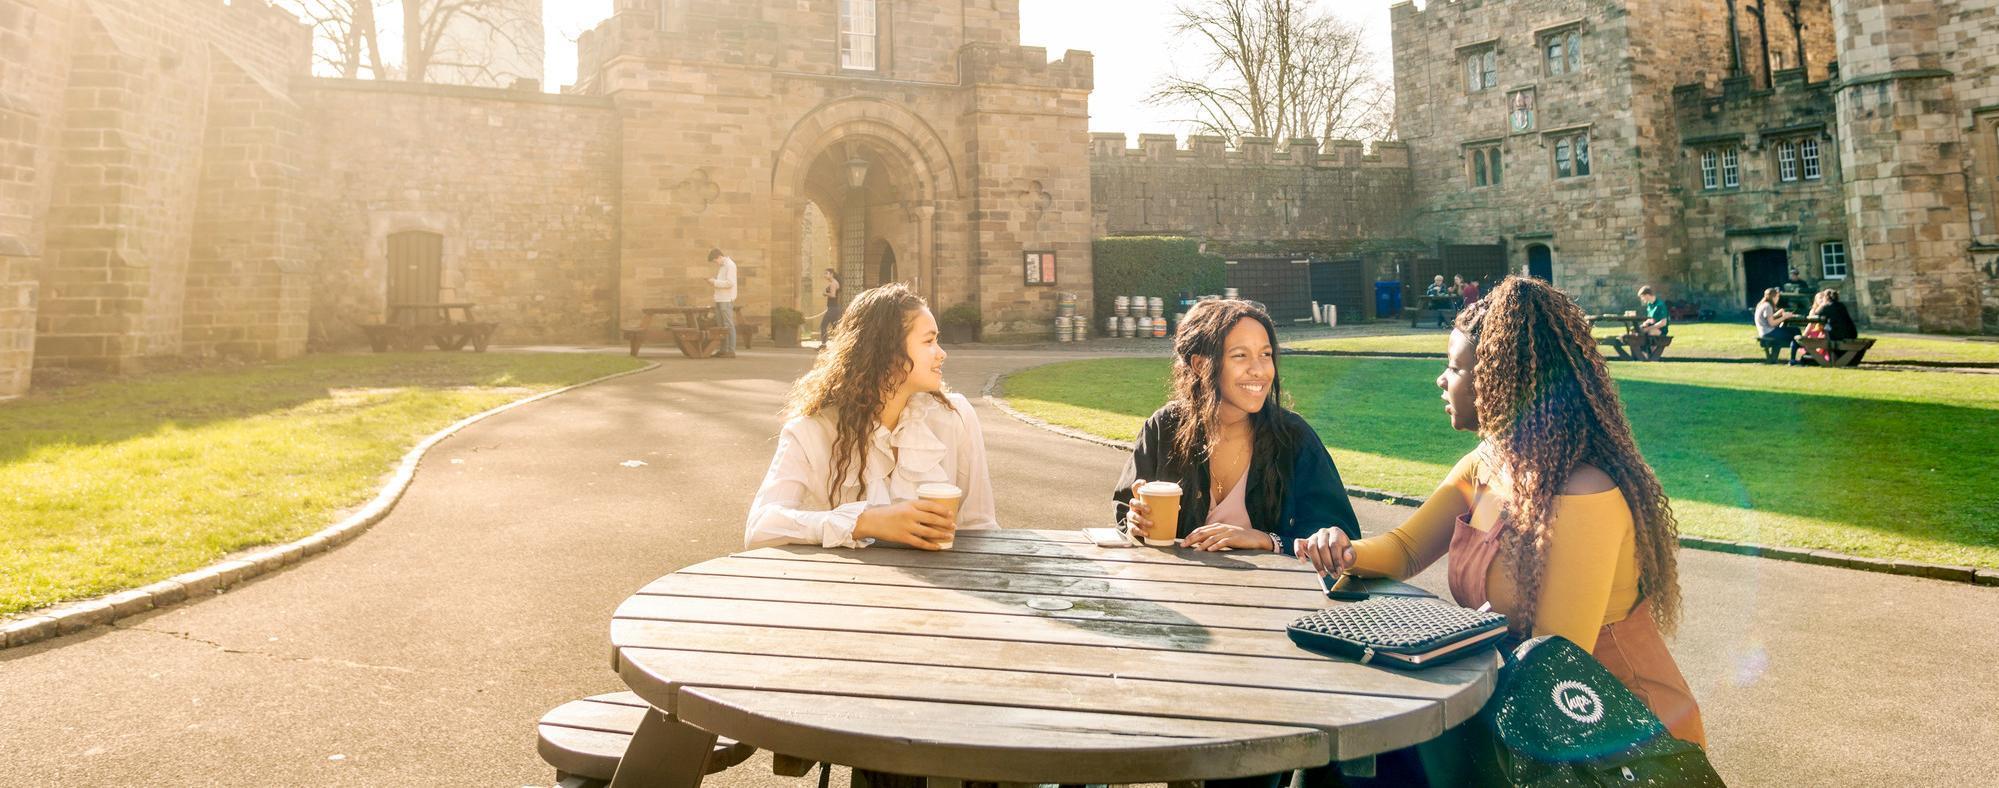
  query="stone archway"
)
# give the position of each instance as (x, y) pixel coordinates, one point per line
(879, 172)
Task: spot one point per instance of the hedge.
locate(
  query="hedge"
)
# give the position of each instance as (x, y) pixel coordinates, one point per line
(1155, 266)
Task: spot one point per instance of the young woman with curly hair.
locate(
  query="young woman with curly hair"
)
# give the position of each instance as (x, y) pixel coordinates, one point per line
(1253, 475)
(870, 423)
(1554, 519)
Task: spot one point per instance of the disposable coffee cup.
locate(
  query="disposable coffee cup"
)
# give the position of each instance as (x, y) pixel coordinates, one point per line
(1164, 500)
(947, 494)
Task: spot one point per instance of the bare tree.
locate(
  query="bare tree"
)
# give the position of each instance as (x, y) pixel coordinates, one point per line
(439, 37)
(1278, 69)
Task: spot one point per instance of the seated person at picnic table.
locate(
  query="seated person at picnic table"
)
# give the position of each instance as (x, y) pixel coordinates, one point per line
(870, 423)
(1253, 474)
(1467, 292)
(1555, 519)
(1657, 316)
(1770, 322)
(1838, 325)
(1439, 296)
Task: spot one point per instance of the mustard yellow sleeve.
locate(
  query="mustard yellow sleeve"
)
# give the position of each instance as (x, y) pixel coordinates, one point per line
(1591, 534)
(1426, 536)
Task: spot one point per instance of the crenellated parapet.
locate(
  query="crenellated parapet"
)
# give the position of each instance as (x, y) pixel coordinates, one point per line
(1026, 66)
(1208, 149)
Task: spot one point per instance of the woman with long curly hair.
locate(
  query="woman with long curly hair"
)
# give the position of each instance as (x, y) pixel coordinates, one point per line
(1555, 519)
(868, 425)
(1253, 474)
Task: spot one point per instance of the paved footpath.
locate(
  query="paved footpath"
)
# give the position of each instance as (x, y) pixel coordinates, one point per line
(422, 653)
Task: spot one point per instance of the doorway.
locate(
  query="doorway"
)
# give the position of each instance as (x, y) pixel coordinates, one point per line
(885, 268)
(416, 269)
(1541, 262)
(1763, 269)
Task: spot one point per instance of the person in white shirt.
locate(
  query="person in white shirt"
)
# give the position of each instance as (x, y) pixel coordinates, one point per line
(867, 425)
(725, 298)
(1770, 322)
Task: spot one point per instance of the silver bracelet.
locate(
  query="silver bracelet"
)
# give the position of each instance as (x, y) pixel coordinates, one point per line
(1276, 542)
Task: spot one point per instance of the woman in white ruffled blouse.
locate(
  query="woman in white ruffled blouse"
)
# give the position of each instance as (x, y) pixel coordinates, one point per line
(870, 423)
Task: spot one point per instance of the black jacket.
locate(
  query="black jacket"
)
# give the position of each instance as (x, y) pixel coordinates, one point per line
(1314, 500)
(1838, 322)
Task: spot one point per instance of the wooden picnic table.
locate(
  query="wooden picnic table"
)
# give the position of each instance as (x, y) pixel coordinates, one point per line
(1017, 656)
(450, 325)
(1444, 308)
(1632, 345)
(691, 327)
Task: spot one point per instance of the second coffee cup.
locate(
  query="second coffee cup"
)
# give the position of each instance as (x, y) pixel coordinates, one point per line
(1164, 499)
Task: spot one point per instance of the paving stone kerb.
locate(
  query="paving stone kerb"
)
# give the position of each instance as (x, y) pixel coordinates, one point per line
(995, 388)
(220, 576)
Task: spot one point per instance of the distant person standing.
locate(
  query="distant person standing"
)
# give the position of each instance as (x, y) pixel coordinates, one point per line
(725, 298)
(835, 307)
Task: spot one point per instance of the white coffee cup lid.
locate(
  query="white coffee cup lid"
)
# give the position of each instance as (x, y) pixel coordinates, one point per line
(939, 490)
(1159, 488)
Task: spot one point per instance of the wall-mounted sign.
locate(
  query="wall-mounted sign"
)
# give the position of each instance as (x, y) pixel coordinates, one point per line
(1038, 268)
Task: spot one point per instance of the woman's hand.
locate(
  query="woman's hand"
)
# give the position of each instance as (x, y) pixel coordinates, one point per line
(920, 524)
(1222, 536)
(1139, 517)
(1329, 551)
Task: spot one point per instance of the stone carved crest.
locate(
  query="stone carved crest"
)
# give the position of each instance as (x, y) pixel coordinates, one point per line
(697, 191)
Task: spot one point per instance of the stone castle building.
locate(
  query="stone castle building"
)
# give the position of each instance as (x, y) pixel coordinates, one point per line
(1696, 145)
(174, 182)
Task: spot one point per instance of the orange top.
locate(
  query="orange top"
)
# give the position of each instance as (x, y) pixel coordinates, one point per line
(1591, 576)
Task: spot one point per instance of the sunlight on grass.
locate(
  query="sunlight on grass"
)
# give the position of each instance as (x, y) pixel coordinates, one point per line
(126, 482)
(1690, 341)
(1876, 463)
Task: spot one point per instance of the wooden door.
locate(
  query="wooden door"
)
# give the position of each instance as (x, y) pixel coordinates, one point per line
(416, 269)
(1763, 269)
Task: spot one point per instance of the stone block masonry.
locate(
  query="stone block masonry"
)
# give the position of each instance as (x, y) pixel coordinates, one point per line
(1253, 192)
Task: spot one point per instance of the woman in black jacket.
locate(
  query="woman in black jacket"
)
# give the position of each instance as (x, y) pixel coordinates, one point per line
(1253, 474)
(1839, 325)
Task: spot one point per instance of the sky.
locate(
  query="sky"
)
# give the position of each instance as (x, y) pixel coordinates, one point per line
(1131, 40)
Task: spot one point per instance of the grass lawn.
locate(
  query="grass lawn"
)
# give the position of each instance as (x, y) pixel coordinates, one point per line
(1876, 463)
(1728, 341)
(125, 482)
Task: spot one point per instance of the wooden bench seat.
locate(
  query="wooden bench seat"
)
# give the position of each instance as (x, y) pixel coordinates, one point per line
(1637, 347)
(1844, 353)
(585, 739)
(383, 337)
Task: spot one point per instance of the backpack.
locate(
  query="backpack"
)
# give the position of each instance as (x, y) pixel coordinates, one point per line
(1558, 718)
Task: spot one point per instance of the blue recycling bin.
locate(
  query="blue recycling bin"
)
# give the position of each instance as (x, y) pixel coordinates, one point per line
(1387, 299)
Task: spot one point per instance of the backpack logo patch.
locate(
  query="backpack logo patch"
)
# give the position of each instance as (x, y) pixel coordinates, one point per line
(1579, 702)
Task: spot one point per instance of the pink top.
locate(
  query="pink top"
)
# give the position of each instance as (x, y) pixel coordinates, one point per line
(1230, 508)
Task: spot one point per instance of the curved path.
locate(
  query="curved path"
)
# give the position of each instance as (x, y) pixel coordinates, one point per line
(422, 652)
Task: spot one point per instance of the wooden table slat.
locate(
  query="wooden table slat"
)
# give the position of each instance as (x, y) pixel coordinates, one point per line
(1058, 567)
(1377, 723)
(980, 543)
(1002, 744)
(1324, 675)
(1299, 600)
(607, 717)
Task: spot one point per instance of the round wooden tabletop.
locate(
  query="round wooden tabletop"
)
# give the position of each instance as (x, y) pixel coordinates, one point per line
(1023, 656)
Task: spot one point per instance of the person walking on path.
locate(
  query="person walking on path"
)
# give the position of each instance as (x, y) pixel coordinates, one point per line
(834, 307)
(724, 283)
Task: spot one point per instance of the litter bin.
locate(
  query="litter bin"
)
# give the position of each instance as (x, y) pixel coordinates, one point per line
(1387, 299)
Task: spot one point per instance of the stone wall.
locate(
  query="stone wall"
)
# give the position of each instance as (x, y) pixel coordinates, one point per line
(1254, 192)
(33, 72)
(523, 186)
(1765, 211)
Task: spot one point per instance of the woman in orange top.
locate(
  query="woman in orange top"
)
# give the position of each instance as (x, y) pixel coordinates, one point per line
(1554, 519)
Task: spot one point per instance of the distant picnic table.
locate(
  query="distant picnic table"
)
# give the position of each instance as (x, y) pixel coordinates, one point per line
(449, 325)
(1632, 345)
(1016, 657)
(693, 328)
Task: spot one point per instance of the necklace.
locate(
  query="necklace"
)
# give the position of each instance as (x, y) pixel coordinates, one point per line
(1228, 464)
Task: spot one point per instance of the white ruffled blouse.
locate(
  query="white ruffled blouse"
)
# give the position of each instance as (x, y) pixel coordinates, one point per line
(930, 443)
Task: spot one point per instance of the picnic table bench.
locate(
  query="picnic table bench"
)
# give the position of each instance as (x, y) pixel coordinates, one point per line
(1444, 308)
(1633, 344)
(585, 739)
(448, 325)
(1842, 353)
(1774, 345)
(692, 328)
(1015, 657)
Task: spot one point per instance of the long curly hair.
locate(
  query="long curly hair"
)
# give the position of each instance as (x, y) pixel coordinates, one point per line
(1197, 396)
(1545, 404)
(863, 363)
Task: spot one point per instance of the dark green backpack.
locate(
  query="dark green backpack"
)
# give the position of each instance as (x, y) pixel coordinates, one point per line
(1558, 718)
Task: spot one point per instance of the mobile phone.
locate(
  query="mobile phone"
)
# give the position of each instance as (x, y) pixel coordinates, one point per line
(1343, 587)
(1108, 537)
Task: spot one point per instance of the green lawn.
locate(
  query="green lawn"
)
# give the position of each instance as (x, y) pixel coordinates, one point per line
(1877, 463)
(124, 482)
(1726, 341)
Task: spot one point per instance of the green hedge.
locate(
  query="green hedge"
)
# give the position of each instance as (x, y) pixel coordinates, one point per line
(1151, 266)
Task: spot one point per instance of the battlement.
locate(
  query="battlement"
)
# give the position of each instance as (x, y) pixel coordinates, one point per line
(1206, 149)
(1028, 66)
